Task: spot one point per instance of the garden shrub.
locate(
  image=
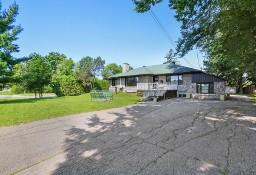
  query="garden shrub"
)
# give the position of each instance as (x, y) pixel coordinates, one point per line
(101, 84)
(47, 89)
(69, 86)
(17, 89)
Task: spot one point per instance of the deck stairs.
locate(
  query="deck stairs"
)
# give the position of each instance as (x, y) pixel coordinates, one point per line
(156, 92)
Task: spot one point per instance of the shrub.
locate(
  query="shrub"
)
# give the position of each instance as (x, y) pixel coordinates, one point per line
(101, 84)
(69, 86)
(47, 89)
(17, 89)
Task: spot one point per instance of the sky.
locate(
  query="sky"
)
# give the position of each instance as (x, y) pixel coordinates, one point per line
(110, 29)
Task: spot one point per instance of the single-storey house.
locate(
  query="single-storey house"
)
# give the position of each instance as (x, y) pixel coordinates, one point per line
(174, 80)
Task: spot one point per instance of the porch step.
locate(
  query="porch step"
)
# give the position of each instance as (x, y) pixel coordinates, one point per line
(153, 93)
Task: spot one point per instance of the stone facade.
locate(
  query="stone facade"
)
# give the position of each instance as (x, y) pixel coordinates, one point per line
(187, 83)
(219, 89)
(162, 79)
(189, 87)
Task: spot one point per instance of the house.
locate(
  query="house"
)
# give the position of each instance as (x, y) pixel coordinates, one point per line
(171, 79)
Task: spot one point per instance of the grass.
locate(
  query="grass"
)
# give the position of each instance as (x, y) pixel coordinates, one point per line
(17, 111)
(22, 94)
(251, 96)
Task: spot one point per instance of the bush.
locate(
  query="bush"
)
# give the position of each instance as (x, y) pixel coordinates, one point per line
(47, 89)
(17, 89)
(101, 84)
(69, 86)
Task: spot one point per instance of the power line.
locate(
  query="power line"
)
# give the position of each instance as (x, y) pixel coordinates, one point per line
(187, 61)
(164, 31)
(198, 59)
(162, 28)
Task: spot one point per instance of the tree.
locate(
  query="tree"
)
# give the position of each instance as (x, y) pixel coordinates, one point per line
(20, 75)
(224, 29)
(111, 69)
(55, 59)
(8, 34)
(228, 70)
(64, 79)
(91, 67)
(170, 57)
(38, 73)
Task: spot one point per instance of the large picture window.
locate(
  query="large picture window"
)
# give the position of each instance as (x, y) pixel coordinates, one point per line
(131, 81)
(205, 88)
(175, 79)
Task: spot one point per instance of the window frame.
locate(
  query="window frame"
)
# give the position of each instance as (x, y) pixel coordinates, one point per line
(179, 79)
(210, 89)
(134, 81)
(114, 82)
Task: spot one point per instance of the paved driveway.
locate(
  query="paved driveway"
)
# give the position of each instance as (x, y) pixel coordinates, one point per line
(178, 136)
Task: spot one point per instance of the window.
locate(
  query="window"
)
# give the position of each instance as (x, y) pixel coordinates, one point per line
(155, 79)
(175, 79)
(205, 88)
(114, 82)
(131, 81)
(180, 80)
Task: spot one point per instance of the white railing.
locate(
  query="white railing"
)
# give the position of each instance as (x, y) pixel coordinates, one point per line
(146, 86)
(131, 89)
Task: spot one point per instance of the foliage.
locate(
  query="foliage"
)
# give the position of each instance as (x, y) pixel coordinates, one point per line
(55, 58)
(8, 34)
(38, 73)
(69, 86)
(111, 69)
(28, 110)
(224, 29)
(101, 84)
(88, 68)
(20, 75)
(145, 5)
(17, 89)
(170, 57)
(47, 89)
(63, 79)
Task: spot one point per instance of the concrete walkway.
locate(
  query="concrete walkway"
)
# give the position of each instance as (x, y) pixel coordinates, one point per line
(178, 136)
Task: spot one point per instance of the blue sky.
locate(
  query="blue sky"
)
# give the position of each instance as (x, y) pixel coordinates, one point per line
(107, 28)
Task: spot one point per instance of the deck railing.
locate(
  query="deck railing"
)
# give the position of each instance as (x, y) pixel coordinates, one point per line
(149, 86)
(161, 86)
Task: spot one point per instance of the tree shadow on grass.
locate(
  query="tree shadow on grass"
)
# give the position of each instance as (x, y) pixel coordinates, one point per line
(24, 100)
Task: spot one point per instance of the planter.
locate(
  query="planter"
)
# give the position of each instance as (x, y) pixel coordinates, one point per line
(155, 99)
(188, 95)
(222, 97)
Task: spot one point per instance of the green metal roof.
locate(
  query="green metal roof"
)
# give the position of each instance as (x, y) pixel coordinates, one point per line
(157, 70)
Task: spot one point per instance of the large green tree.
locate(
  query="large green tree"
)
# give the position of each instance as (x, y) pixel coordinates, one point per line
(111, 69)
(64, 79)
(89, 68)
(224, 29)
(8, 34)
(38, 73)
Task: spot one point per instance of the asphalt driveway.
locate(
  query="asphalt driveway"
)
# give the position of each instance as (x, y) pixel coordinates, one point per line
(177, 136)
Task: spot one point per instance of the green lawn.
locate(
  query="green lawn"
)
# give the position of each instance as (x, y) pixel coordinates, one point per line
(16, 111)
(22, 94)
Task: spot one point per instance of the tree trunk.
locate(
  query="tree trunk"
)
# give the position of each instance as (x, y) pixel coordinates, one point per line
(241, 85)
